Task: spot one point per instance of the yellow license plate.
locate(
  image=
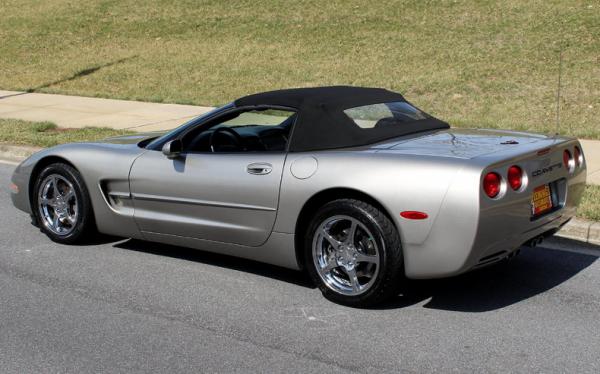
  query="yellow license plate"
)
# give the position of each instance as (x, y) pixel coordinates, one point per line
(541, 200)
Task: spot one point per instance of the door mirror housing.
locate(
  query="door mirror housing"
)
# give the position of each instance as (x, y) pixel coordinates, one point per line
(172, 149)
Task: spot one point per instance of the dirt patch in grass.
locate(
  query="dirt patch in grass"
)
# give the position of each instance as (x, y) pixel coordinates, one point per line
(47, 134)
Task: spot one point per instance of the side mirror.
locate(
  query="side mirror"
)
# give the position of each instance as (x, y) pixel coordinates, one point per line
(172, 149)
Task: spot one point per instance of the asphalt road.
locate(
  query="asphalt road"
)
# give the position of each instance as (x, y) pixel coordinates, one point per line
(131, 306)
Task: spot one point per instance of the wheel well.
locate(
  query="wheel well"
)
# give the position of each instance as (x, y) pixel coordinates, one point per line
(39, 166)
(316, 202)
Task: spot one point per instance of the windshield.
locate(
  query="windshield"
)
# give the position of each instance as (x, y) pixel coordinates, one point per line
(157, 143)
(385, 114)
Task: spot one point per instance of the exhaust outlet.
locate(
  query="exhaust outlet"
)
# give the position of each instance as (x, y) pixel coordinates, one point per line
(535, 241)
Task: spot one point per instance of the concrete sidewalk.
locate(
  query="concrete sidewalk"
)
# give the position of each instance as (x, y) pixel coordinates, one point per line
(77, 111)
(591, 150)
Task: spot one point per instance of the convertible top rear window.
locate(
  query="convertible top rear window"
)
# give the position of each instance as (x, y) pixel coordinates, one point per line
(385, 114)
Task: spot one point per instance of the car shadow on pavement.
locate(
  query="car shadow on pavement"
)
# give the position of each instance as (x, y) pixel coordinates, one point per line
(533, 272)
(214, 259)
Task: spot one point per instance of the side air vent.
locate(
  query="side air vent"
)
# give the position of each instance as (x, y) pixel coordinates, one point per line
(117, 197)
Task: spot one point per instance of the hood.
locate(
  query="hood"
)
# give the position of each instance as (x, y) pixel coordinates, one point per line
(132, 139)
(463, 143)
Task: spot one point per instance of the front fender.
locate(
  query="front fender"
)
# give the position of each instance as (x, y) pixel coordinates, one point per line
(100, 164)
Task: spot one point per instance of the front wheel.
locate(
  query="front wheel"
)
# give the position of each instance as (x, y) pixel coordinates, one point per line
(61, 204)
(353, 253)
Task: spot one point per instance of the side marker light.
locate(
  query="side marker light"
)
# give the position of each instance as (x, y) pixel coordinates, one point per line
(411, 214)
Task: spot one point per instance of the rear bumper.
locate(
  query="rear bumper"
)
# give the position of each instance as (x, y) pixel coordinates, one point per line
(490, 249)
(466, 236)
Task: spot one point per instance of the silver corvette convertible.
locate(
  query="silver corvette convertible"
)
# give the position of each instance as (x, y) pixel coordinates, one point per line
(355, 185)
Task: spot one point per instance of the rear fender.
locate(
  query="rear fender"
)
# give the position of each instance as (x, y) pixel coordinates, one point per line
(398, 182)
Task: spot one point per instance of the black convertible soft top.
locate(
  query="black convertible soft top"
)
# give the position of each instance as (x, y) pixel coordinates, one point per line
(322, 123)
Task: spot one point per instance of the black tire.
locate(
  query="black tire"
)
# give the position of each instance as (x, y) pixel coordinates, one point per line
(84, 228)
(390, 276)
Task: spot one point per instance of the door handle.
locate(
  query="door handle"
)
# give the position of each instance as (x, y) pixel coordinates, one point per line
(259, 168)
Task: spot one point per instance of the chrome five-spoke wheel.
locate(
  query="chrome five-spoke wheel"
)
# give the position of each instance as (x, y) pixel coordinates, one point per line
(57, 204)
(345, 255)
(353, 253)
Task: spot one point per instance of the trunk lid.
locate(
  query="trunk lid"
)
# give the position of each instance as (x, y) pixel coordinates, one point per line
(467, 143)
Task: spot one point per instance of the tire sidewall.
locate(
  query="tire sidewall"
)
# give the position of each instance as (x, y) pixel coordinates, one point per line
(363, 213)
(84, 220)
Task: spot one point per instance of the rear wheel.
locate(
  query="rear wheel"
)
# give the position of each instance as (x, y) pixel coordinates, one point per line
(61, 204)
(353, 253)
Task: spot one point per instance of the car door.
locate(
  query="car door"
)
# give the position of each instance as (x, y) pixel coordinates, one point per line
(211, 192)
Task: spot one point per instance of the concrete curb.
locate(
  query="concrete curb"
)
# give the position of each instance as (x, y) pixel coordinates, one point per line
(581, 230)
(577, 229)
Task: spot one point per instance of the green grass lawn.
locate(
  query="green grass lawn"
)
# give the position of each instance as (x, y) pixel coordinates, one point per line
(47, 134)
(590, 203)
(473, 63)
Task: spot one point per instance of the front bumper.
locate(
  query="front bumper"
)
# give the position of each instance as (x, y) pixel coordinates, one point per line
(19, 190)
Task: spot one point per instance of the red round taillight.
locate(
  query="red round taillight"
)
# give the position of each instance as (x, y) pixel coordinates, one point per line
(567, 159)
(491, 184)
(515, 177)
(578, 157)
